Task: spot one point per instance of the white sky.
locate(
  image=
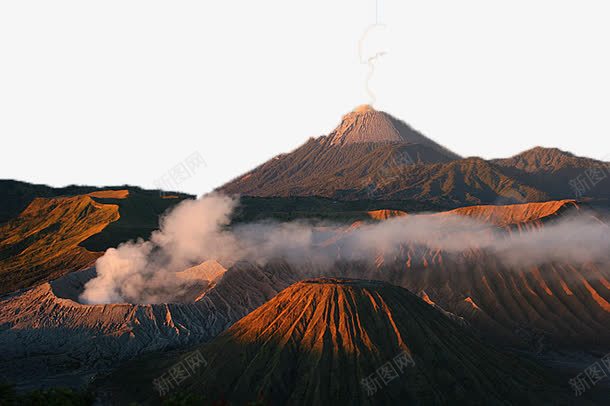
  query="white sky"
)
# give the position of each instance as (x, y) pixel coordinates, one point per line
(114, 92)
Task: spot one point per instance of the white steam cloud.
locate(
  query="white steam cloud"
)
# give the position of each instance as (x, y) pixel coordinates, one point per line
(198, 230)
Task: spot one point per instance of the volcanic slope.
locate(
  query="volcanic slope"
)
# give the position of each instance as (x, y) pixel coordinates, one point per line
(320, 341)
(542, 305)
(374, 155)
(54, 236)
(42, 243)
(365, 125)
(541, 308)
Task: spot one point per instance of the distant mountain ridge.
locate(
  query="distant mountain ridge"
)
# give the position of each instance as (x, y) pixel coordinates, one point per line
(372, 155)
(544, 159)
(559, 172)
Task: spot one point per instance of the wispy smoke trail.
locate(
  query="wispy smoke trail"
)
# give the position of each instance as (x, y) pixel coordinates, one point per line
(371, 63)
(198, 230)
(370, 60)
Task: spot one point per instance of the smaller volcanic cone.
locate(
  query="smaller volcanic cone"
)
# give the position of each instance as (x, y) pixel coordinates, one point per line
(354, 342)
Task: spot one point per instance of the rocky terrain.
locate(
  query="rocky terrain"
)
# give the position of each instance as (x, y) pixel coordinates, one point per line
(54, 236)
(560, 304)
(341, 341)
(50, 339)
(538, 309)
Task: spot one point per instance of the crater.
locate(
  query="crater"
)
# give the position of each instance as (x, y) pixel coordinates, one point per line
(196, 282)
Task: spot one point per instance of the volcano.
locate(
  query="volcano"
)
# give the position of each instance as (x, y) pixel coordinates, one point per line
(367, 148)
(367, 125)
(343, 341)
(373, 155)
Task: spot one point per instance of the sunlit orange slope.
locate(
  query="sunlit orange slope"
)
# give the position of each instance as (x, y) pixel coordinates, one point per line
(316, 341)
(543, 306)
(54, 236)
(43, 242)
(516, 213)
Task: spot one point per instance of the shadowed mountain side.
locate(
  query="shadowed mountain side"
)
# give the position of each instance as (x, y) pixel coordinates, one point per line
(379, 171)
(548, 160)
(540, 308)
(558, 173)
(464, 182)
(367, 145)
(16, 195)
(253, 209)
(372, 155)
(382, 171)
(316, 341)
(320, 169)
(140, 214)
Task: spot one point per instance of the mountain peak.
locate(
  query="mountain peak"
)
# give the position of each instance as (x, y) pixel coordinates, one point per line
(364, 108)
(367, 149)
(365, 124)
(546, 151)
(547, 159)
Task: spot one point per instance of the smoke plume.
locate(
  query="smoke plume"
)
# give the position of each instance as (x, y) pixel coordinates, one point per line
(199, 230)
